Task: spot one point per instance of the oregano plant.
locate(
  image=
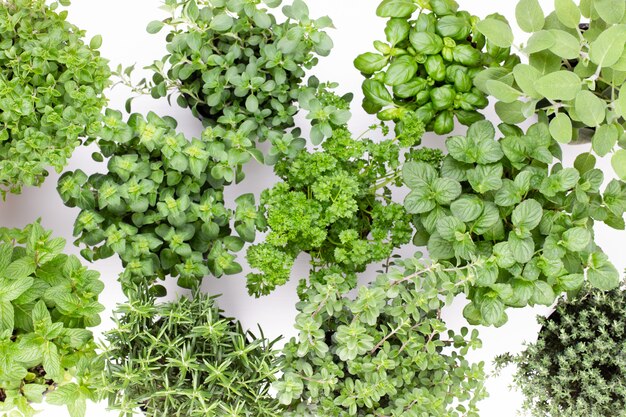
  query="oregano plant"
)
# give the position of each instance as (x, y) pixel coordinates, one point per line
(233, 63)
(574, 72)
(47, 302)
(510, 208)
(384, 351)
(577, 365)
(184, 358)
(428, 63)
(160, 206)
(51, 91)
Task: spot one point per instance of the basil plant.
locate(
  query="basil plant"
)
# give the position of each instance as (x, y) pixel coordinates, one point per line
(428, 63)
(574, 73)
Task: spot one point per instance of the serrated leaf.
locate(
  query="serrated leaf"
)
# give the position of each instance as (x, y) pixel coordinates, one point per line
(7, 316)
(604, 275)
(10, 290)
(491, 310)
(576, 239)
(543, 293)
(527, 214)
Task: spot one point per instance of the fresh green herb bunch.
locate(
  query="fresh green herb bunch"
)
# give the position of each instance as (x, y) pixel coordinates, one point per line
(577, 366)
(385, 352)
(525, 222)
(335, 204)
(233, 63)
(160, 206)
(47, 300)
(51, 87)
(575, 73)
(183, 358)
(429, 64)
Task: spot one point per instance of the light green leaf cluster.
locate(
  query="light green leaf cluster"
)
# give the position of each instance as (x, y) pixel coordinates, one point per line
(51, 86)
(232, 63)
(385, 351)
(429, 63)
(528, 221)
(577, 365)
(575, 73)
(160, 207)
(47, 300)
(184, 358)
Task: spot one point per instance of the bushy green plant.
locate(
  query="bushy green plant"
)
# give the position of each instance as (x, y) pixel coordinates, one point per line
(47, 300)
(333, 203)
(577, 366)
(183, 358)
(526, 221)
(575, 72)
(51, 86)
(160, 207)
(233, 63)
(383, 352)
(429, 63)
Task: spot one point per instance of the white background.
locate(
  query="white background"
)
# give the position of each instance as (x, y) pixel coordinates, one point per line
(122, 24)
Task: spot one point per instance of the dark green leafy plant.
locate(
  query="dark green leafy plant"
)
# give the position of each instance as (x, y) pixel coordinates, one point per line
(575, 73)
(183, 358)
(385, 352)
(233, 63)
(524, 221)
(160, 207)
(47, 300)
(51, 87)
(335, 204)
(577, 366)
(429, 64)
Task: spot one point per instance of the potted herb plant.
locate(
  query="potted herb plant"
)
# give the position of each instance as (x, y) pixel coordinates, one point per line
(575, 68)
(48, 301)
(577, 365)
(51, 91)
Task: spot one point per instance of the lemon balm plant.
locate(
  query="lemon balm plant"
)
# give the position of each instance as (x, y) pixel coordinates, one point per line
(47, 302)
(575, 71)
(51, 91)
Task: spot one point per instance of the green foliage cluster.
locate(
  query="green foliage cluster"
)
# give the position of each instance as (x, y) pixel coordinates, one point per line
(233, 63)
(47, 300)
(523, 221)
(51, 86)
(577, 366)
(160, 207)
(183, 358)
(575, 73)
(429, 64)
(334, 204)
(383, 352)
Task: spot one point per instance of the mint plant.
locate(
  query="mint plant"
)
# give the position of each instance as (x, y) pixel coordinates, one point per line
(160, 207)
(233, 63)
(428, 63)
(184, 358)
(47, 302)
(51, 91)
(576, 68)
(577, 365)
(523, 221)
(384, 351)
(333, 203)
